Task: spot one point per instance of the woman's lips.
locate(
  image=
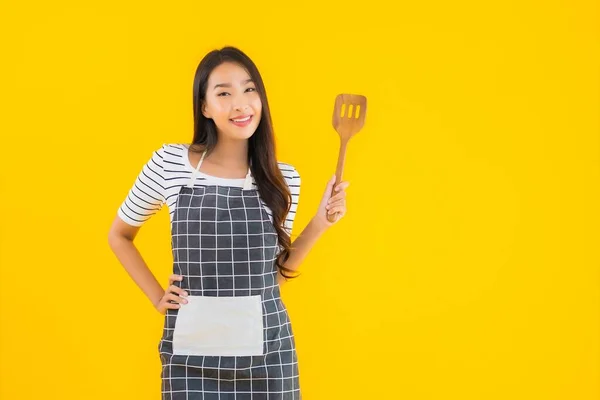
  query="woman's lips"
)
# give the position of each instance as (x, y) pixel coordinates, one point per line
(244, 123)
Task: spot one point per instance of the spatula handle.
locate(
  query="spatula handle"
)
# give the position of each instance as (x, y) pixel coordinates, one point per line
(338, 176)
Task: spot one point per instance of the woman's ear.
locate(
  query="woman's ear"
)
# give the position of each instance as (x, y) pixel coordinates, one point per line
(204, 112)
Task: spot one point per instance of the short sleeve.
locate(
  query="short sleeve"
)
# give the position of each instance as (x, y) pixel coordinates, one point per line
(292, 178)
(147, 195)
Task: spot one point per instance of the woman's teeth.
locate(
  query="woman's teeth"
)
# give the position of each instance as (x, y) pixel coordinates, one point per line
(242, 122)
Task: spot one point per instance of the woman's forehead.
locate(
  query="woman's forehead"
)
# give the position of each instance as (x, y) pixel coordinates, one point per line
(227, 73)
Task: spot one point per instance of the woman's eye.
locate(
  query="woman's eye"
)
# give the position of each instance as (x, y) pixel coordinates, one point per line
(222, 93)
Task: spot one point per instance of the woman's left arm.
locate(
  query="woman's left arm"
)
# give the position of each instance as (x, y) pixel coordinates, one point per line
(318, 225)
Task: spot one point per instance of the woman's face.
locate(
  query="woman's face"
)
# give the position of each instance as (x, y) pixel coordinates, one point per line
(231, 95)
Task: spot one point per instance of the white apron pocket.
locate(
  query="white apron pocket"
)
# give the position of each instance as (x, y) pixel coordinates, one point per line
(219, 326)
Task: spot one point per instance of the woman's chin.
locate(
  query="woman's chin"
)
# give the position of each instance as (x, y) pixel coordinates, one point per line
(240, 135)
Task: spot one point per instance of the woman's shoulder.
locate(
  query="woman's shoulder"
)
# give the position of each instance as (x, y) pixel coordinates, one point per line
(170, 148)
(287, 169)
(177, 150)
(174, 147)
(291, 175)
(172, 156)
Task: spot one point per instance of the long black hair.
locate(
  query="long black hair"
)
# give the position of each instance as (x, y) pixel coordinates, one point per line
(261, 145)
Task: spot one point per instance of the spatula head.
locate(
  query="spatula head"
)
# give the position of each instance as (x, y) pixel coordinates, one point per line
(349, 113)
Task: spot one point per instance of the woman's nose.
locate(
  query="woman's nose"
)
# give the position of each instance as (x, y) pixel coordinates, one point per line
(241, 107)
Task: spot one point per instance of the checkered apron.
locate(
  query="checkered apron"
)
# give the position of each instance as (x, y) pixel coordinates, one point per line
(233, 339)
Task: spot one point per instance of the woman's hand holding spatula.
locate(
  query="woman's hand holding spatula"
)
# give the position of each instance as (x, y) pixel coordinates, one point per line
(333, 202)
(349, 113)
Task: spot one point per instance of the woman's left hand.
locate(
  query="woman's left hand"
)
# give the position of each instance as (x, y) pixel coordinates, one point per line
(332, 203)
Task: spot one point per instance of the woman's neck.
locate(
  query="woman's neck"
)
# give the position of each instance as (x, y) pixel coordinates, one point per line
(230, 155)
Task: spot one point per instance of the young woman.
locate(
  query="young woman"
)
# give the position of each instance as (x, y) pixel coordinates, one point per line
(227, 334)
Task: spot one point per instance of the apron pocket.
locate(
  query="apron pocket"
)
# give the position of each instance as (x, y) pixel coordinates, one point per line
(219, 326)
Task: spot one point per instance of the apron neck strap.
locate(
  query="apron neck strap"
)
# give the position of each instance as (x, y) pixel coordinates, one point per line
(247, 181)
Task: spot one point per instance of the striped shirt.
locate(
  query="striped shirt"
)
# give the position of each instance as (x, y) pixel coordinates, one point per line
(168, 169)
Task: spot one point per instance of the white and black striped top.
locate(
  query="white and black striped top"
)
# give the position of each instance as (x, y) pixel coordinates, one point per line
(168, 170)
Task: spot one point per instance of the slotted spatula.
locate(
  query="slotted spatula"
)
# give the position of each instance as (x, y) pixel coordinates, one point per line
(349, 113)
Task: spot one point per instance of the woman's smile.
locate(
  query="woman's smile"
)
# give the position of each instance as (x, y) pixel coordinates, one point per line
(242, 122)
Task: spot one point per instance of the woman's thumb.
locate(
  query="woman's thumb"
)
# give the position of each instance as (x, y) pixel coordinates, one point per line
(331, 181)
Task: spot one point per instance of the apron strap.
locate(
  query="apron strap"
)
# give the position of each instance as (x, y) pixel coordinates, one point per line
(247, 181)
(193, 177)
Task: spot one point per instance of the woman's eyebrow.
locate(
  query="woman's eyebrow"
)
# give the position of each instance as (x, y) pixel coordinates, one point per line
(229, 84)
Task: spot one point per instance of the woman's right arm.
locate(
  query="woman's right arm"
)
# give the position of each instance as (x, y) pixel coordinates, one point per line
(144, 199)
(120, 240)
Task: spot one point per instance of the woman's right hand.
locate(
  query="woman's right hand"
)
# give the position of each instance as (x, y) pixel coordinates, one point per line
(172, 294)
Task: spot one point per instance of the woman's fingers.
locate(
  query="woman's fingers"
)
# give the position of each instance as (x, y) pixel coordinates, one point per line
(336, 197)
(174, 277)
(340, 209)
(338, 206)
(341, 186)
(339, 203)
(177, 294)
(178, 290)
(174, 297)
(172, 306)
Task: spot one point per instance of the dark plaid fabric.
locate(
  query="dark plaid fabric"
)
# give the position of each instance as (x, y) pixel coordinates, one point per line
(224, 244)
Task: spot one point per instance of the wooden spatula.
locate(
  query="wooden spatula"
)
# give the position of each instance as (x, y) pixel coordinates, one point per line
(349, 114)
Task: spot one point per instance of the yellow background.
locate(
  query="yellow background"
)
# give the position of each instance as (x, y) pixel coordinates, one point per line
(467, 266)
